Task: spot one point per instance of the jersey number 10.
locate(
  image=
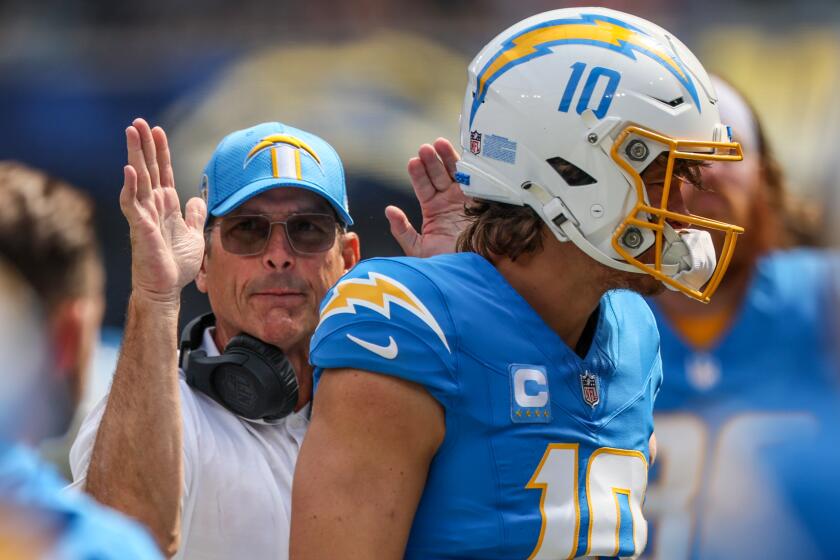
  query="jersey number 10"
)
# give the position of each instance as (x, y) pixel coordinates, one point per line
(615, 484)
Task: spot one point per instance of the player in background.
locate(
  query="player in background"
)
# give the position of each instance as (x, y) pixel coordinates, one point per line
(498, 402)
(47, 232)
(50, 309)
(743, 371)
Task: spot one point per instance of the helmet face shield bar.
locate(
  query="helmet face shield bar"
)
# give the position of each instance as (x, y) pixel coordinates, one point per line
(645, 217)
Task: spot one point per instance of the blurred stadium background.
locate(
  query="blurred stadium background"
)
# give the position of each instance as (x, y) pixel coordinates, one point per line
(374, 77)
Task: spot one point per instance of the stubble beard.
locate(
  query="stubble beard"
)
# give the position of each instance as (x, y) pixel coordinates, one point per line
(642, 283)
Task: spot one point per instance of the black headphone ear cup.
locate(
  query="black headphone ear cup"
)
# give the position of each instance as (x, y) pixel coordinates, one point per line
(269, 352)
(265, 386)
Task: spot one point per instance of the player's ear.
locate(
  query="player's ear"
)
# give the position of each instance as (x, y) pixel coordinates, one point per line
(350, 250)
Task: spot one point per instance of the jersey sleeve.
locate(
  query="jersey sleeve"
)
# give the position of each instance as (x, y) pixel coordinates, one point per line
(387, 316)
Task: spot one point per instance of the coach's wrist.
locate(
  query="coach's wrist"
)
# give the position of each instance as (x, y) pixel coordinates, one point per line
(167, 303)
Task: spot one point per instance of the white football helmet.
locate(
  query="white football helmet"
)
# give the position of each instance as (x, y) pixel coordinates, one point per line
(564, 111)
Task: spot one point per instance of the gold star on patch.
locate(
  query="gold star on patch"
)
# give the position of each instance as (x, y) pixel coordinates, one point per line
(519, 413)
(527, 413)
(536, 413)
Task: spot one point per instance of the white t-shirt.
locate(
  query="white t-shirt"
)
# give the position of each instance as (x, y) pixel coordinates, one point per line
(237, 497)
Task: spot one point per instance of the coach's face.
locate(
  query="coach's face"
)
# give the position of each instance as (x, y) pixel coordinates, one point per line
(274, 295)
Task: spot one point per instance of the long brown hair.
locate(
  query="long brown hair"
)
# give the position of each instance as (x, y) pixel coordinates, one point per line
(779, 219)
(495, 228)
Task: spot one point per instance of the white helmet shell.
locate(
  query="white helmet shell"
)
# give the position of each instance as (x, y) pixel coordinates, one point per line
(557, 114)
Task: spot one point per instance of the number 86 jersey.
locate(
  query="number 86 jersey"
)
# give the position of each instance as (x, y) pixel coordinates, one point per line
(545, 453)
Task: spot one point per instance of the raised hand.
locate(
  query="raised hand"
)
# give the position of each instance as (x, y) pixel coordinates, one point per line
(166, 247)
(432, 175)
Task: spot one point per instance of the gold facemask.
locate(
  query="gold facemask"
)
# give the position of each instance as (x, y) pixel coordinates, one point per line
(645, 216)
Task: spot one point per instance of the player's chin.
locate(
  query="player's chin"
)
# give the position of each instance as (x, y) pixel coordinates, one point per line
(643, 284)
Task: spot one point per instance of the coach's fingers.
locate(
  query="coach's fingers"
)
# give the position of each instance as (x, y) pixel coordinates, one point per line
(440, 176)
(402, 230)
(164, 161)
(136, 160)
(195, 213)
(149, 150)
(128, 193)
(448, 154)
(420, 180)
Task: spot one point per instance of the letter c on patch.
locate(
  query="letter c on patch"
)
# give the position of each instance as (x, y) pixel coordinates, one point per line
(533, 394)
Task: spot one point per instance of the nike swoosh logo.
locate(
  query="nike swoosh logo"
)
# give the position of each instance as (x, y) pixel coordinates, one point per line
(388, 352)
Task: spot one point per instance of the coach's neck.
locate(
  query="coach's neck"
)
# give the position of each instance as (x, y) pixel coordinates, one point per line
(299, 358)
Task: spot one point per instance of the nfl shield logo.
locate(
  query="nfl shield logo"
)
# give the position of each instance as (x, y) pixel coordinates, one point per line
(475, 142)
(589, 388)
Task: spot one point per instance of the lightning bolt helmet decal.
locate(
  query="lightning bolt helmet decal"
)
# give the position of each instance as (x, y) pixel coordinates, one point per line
(589, 29)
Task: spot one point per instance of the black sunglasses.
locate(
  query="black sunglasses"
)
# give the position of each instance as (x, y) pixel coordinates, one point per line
(248, 235)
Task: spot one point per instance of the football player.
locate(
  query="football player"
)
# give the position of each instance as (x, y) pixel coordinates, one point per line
(498, 402)
(743, 372)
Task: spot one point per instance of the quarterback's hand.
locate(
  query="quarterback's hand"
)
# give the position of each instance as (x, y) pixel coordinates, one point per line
(441, 203)
(166, 247)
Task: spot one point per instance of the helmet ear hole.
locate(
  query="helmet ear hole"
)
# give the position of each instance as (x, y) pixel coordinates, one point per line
(571, 173)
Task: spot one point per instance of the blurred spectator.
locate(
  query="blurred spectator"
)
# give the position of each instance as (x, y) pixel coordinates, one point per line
(41, 347)
(741, 373)
(47, 233)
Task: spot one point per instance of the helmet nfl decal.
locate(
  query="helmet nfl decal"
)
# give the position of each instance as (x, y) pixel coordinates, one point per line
(565, 110)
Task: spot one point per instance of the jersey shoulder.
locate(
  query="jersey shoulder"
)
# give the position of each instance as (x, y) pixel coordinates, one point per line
(391, 316)
(89, 530)
(631, 316)
(634, 342)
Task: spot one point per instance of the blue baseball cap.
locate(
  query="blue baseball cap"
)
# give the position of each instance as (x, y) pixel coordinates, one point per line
(271, 155)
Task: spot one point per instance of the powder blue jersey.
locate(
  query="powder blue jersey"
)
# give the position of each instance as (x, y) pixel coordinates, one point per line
(545, 453)
(723, 412)
(62, 524)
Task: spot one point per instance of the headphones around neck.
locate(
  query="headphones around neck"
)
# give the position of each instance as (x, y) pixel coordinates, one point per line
(251, 378)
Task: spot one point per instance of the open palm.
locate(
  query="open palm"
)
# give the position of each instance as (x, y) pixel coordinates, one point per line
(166, 247)
(441, 203)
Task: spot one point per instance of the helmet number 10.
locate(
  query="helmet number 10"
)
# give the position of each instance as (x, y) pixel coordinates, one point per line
(578, 68)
